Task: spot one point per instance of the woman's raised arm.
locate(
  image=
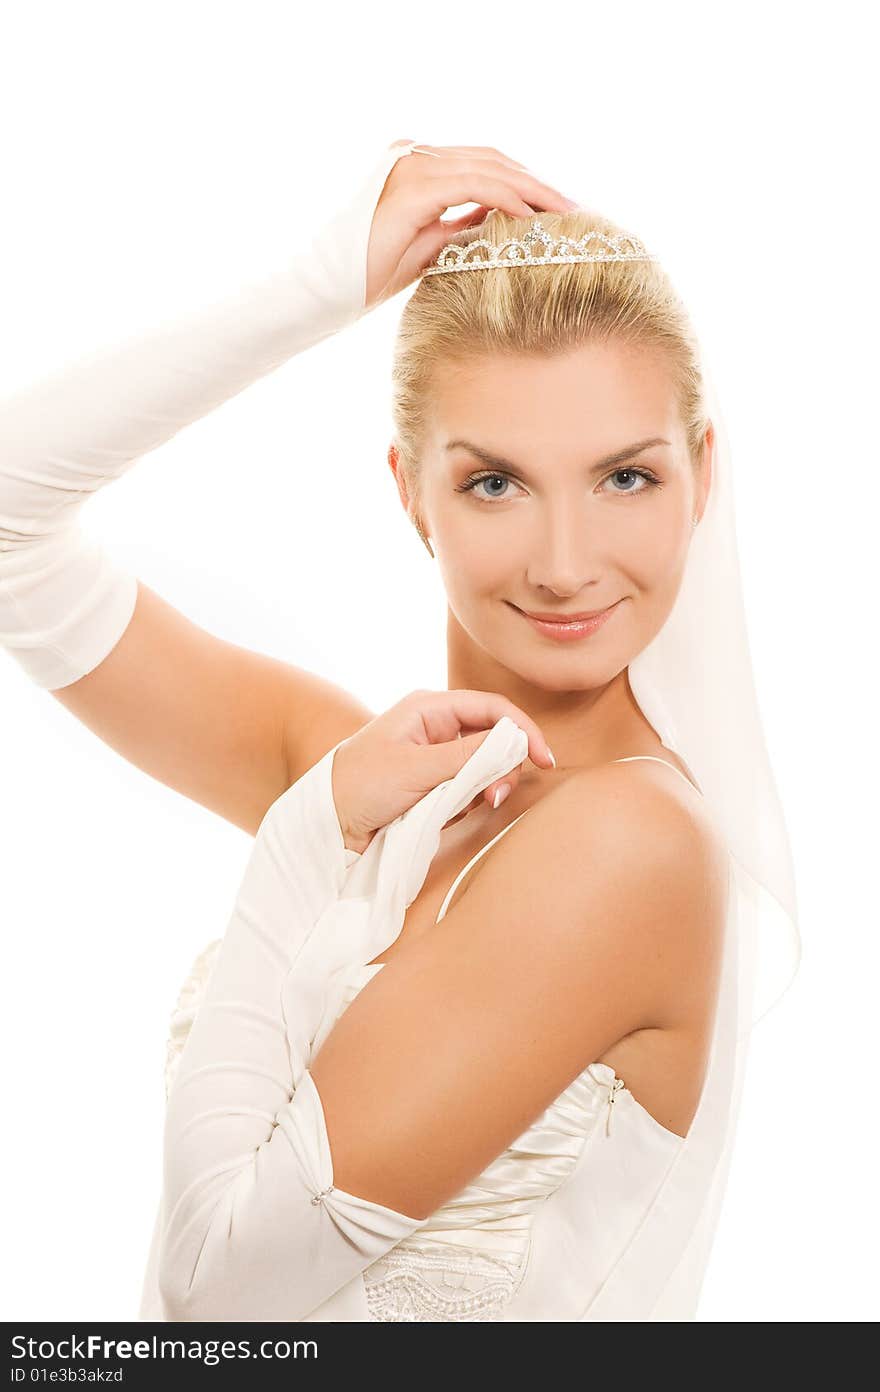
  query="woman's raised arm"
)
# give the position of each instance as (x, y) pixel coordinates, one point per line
(227, 727)
(201, 715)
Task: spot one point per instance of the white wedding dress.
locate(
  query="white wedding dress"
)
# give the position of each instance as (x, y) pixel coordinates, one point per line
(534, 1237)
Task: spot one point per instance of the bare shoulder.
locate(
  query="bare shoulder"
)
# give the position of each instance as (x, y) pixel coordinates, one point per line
(635, 811)
(651, 847)
(670, 813)
(583, 927)
(626, 862)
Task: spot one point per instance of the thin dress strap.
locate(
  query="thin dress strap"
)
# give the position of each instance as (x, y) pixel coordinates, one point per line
(658, 760)
(473, 860)
(483, 849)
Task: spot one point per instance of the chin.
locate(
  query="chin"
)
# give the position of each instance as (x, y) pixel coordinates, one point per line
(562, 671)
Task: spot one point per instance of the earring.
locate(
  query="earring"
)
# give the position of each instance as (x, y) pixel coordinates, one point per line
(418, 527)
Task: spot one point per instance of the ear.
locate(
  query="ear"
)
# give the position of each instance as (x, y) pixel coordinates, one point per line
(397, 471)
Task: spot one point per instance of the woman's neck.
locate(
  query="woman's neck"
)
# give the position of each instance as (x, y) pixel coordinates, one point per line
(583, 728)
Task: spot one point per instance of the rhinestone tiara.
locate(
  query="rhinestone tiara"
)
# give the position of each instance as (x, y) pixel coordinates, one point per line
(538, 248)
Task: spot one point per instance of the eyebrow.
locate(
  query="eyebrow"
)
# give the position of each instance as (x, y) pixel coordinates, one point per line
(497, 461)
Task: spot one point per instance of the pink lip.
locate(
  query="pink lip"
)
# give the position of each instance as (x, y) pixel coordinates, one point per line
(568, 628)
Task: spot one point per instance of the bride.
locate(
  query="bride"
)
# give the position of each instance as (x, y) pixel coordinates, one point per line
(385, 1119)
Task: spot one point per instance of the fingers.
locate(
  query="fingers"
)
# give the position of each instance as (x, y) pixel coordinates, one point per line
(408, 226)
(503, 786)
(451, 175)
(519, 193)
(447, 758)
(499, 794)
(446, 714)
(487, 152)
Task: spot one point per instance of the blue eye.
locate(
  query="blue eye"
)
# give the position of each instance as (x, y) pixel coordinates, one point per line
(471, 483)
(649, 480)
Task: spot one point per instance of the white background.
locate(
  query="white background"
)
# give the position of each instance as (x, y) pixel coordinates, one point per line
(158, 155)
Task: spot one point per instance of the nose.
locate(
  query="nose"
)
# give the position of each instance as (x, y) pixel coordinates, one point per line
(562, 558)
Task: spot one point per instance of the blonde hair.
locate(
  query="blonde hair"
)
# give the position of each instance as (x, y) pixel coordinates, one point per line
(450, 319)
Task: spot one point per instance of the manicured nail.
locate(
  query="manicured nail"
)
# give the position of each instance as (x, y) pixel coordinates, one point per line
(552, 759)
(500, 794)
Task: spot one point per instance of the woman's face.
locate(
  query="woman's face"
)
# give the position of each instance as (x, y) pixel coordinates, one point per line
(547, 520)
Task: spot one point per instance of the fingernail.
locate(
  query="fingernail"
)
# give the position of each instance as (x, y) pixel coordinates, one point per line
(552, 758)
(570, 201)
(500, 794)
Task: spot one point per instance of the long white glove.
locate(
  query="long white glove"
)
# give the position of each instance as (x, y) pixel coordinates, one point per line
(63, 603)
(252, 1227)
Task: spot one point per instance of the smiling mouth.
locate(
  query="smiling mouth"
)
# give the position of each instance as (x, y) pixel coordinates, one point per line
(568, 626)
(566, 618)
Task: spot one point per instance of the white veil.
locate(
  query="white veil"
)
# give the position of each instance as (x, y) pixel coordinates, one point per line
(694, 684)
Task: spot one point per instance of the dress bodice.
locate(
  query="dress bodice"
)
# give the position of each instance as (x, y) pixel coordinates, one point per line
(468, 1260)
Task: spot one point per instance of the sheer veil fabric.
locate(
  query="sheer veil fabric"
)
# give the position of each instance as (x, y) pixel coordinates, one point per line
(695, 685)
